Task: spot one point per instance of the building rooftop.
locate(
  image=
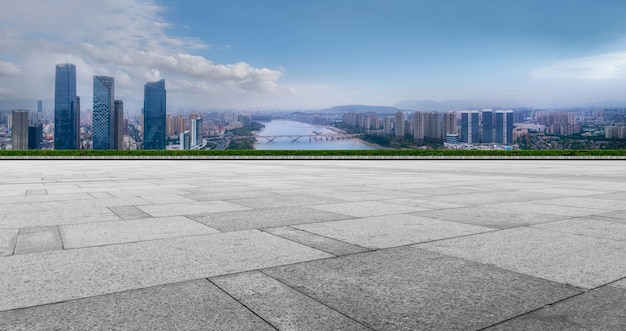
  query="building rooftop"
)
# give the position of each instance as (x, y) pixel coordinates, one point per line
(312, 245)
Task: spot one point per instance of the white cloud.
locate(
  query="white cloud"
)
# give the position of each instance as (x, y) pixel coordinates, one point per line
(128, 39)
(599, 67)
(9, 69)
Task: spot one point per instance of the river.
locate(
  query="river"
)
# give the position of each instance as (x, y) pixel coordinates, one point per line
(284, 127)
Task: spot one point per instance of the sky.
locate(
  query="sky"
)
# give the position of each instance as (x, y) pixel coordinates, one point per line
(305, 55)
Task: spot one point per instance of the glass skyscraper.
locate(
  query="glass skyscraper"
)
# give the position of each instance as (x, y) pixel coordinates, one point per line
(66, 112)
(154, 114)
(103, 114)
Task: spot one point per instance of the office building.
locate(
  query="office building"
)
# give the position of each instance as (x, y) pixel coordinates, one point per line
(185, 140)
(66, 108)
(103, 113)
(19, 129)
(35, 136)
(119, 126)
(196, 131)
(504, 127)
(154, 114)
(487, 126)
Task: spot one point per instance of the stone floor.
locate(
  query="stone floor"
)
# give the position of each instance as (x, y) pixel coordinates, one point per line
(312, 245)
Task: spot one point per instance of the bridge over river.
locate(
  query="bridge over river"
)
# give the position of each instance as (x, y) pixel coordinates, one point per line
(294, 137)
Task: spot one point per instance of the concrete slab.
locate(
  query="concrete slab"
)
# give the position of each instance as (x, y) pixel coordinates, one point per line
(35, 279)
(193, 305)
(129, 212)
(426, 204)
(588, 227)
(484, 198)
(69, 214)
(263, 218)
(619, 284)
(322, 243)
(107, 233)
(391, 230)
(37, 240)
(279, 200)
(37, 192)
(282, 306)
(193, 208)
(367, 208)
(165, 198)
(531, 207)
(581, 261)
(599, 309)
(490, 216)
(8, 238)
(587, 202)
(413, 289)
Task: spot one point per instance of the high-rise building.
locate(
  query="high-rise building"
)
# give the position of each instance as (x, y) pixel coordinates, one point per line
(154, 111)
(419, 120)
(449, 122)
(19, 129)
(119, 126)
(504, 127)
(185, 140)
(399, 124)
(388, 125)
(103, 113)
(465, 126)
(35, 136)
(487, 126)
(196, 131)
(66, 108)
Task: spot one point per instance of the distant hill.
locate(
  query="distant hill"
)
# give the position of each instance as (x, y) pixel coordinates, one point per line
(361, 109)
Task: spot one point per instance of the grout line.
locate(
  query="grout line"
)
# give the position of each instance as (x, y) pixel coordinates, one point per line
(319, 302)
(243, 304)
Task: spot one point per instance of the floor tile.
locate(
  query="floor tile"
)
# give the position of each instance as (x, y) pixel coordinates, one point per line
(8, 238)
(581, 261)
(193, 208)
(391, 230)
(35, 279)
(599, 309)
(263, 218)
(38, 240)
(282, 306)
(322, 243)
(412, 289)
(367, 208)
(490, 216)
(193, 305)
(588, 227)
(107, 233)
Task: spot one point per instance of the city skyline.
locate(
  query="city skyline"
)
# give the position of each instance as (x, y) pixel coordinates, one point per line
(290, 55)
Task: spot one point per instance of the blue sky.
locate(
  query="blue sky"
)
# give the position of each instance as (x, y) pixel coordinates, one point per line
(280, 54)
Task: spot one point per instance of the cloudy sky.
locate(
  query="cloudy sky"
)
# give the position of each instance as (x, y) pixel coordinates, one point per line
(285, 54)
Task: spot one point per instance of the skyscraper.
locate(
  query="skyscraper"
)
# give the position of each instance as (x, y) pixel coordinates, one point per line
(196, 131)
(154, 115)
(66, 111)
(449, 123)
(487, 126)
(119, 127)
(19, 129)
(504, 127)
(399, 124)
(103, 114)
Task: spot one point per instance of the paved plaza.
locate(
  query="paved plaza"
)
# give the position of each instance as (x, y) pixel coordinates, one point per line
(312, 245)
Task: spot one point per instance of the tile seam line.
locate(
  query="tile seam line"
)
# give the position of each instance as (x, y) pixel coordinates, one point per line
(327, 237)
(307, 245)
(584, 291)
(262, 271)
(242, 304)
